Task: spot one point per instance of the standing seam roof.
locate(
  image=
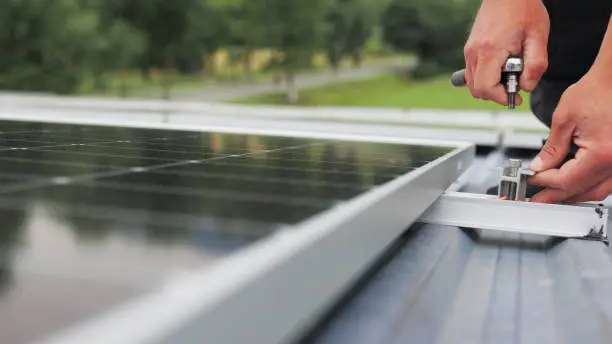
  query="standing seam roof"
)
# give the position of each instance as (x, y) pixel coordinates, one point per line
(450, 285)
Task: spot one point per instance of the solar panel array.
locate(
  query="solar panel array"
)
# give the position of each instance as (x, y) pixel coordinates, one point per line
(92, 216)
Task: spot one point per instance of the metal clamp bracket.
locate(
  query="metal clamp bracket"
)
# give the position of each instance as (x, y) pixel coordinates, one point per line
(513, 182)
(581, 220)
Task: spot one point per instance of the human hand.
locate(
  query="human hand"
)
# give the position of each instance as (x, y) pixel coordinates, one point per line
(501, 29)
(584, 114)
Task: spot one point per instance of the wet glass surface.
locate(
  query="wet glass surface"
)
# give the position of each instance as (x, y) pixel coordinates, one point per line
(93, 216)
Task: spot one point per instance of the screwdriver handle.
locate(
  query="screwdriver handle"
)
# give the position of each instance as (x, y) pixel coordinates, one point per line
(458, 78)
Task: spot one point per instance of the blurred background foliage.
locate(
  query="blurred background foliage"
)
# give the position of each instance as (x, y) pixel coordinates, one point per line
(116, 46)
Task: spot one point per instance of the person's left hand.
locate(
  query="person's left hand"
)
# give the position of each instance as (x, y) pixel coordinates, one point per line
(584, 114)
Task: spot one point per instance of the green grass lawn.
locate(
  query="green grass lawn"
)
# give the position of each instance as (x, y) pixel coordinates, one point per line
(387, 91)
(132, 84)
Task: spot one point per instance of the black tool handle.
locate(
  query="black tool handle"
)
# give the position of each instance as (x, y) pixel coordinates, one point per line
(458, 78)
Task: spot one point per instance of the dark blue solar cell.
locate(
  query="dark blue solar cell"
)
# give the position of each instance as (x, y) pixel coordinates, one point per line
(92, 216)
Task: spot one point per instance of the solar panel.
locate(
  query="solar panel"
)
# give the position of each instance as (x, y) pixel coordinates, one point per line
(93, 217)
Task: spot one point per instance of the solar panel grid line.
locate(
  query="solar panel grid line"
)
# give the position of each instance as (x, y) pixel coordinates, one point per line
(79, 146)
(369, 155)
(39, 148)
(148, 149)
(220, 195)
(45, 143)
(23, 132)
(112, 173)
(51, 133)
(90, 139)
(373, 157)
(218, 123)
(60, 152)
(184, 162)
(297, 169)
(20, 139)
(371, 136)
(243, 177)
(39, 160)
(267, 256)
(52, 162)
(97, 137)
(329, 162)
(388, 162)
(108, 142)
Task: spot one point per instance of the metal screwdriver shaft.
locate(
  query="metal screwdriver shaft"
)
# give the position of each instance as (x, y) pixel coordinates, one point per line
(511, 71)
(510, 76)
(511, 94)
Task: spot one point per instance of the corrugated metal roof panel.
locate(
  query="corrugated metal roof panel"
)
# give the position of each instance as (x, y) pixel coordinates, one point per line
(443, 287)
(447, 285)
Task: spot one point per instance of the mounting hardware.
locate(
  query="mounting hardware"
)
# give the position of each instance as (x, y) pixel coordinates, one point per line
(579, 221)
(510, 78)
(510, 74)
(513, 181)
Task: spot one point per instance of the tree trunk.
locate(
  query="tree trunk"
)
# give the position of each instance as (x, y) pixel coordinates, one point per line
(123, 87)
(248, 65)
(209, 65)
(145, 72)
(357, 57)
(99, 82)
(167, 76)
(335, 59)
(293, 95)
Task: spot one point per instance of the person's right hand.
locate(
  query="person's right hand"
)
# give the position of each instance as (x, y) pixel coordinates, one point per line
(503, 28)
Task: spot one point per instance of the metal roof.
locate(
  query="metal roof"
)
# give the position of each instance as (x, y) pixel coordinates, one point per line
(441, 284)
(448, 285)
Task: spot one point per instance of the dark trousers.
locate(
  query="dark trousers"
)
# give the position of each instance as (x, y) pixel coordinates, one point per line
(545, 98)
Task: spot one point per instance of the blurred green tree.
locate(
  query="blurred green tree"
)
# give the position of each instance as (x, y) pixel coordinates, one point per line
(339, 23)
(296, 29)
(54, 45)
(350, 25)
(119, 44)
(178, 32)
(246, 30)
(434, 30)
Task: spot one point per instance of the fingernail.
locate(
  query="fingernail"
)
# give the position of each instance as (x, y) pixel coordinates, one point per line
(536, 164)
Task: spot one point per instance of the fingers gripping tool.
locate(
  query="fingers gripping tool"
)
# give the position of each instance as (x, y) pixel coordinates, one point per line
(510, 74)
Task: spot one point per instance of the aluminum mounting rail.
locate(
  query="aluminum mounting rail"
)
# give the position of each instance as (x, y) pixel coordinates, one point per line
(580, 220)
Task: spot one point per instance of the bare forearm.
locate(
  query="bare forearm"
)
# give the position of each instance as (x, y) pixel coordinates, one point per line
(603, 62)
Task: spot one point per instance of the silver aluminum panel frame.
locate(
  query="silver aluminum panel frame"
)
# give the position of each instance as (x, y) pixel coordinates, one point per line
(209, 118)
(583, 220)
(273, 290)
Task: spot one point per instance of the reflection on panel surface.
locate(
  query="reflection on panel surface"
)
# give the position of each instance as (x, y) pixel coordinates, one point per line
(98, 215)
